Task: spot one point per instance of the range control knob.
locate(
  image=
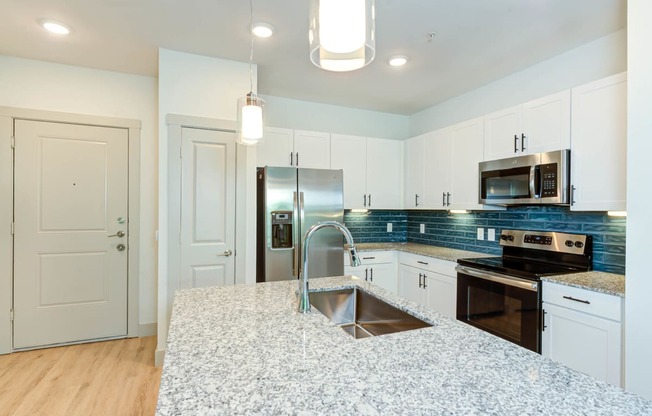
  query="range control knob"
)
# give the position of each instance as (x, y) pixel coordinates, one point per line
(569, 243)
(579, 244)
(507, 237)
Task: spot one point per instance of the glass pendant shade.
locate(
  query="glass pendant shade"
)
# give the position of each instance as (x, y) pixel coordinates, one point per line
(250, 119)
(342, 34)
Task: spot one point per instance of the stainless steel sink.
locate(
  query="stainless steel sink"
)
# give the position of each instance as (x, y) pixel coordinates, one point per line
(363, 315)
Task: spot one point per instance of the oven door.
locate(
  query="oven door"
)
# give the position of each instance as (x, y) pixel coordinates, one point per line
(503, 305)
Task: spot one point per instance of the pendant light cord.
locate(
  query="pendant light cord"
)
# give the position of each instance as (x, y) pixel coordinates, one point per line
(251, 53)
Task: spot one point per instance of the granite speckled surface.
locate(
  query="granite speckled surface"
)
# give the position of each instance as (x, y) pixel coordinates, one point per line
(442, 253)
(609, 283)
(245, 350)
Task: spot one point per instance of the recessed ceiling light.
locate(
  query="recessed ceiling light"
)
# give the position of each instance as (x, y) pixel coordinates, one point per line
(54, 27)
(263, 30)
(398, 60)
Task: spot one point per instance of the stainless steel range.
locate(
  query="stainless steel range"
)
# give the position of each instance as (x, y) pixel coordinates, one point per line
(502, 295)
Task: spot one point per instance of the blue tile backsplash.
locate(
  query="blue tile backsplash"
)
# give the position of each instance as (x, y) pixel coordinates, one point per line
(459, 230)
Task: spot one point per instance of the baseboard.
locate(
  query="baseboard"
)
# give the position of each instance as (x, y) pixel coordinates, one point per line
(147, 330)
(158, 358)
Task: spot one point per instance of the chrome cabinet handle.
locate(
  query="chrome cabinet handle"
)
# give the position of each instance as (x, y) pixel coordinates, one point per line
(448, 199)
(522, 142)
(420, 285)
(370, 200)
(515, 144)
(572, 195)
(443, 199)
(422, 262)
(372, 274)
(291, 159)
(416, 200)
(118, 234)
(227, 253)
(424, 281)
(365, 200)
(366, 274)
(297, 158)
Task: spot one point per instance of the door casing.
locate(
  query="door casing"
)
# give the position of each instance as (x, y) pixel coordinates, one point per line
(7, 117)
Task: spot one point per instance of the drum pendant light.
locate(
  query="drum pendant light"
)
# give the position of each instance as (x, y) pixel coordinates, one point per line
(250, 108)
(342, 34)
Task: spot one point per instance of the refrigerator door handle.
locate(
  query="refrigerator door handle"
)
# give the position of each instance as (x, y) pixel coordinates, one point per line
(302, 221)
(296, 243)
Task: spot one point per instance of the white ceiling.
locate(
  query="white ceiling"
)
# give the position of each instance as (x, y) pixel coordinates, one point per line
(477, 41)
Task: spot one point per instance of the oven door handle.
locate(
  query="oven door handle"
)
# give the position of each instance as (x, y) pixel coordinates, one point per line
(500, 278)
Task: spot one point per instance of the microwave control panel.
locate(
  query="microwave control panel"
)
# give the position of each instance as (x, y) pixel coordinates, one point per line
(548, 180)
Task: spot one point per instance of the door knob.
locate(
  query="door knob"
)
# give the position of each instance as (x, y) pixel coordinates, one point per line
(227, 253)
(120, 247)
(118, 234)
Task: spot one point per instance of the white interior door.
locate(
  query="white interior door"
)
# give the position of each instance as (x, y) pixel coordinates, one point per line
(70, 275)
(207, 208)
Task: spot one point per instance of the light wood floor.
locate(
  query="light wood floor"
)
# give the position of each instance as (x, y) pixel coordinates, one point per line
(103, 378)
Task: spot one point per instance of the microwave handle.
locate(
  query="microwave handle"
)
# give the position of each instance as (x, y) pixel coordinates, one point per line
(535, 182)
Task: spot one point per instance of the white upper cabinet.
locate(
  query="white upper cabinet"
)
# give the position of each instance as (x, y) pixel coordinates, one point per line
(384, 173)
(312, 149)
(277, 148)
(438, 168)
(540, 125)
(467, 151)
(414, 172)
(599, 145)
(372, 170)
(287, 147)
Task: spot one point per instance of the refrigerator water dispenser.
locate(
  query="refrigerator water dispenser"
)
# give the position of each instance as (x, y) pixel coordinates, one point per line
(282, 229)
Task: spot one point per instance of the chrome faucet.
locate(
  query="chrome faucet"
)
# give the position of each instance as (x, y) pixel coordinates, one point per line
(304, 299)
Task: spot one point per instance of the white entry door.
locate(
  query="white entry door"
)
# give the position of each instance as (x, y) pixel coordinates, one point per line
(70, 272)
(207, 208)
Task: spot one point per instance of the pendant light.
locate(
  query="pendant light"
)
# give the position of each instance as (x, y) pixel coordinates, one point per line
(342, 34)
(250, 107)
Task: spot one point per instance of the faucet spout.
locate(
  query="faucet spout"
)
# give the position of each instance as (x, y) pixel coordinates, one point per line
(304, 299)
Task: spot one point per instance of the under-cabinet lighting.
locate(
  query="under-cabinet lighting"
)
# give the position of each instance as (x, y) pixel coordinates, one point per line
(458, 211)
(617, 213)
(360, 210)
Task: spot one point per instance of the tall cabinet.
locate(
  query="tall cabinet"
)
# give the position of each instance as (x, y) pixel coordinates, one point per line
(599, 145)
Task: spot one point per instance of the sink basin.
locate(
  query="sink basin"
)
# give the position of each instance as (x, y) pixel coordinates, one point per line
(363, 315)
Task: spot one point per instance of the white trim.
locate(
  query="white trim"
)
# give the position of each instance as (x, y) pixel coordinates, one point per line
(7, 117)
(159, 355)
(147, 330)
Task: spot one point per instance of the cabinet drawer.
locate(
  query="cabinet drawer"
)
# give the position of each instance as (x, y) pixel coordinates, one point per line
(432, 264)
(371, 257)
(595, 303)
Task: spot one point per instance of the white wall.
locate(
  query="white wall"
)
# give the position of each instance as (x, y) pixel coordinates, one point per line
(305, 115)
(196, 86)
(638, 330)
(53, 87)
(598, 59)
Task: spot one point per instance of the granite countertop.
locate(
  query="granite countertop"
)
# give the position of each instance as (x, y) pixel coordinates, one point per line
(244, 349)
(603, 282)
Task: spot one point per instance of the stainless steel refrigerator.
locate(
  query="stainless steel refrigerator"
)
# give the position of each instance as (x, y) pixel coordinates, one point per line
(289, 201)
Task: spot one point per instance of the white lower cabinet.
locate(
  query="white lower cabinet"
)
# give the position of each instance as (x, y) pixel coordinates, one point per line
(428, 281)
(583, 330)
(378, 267)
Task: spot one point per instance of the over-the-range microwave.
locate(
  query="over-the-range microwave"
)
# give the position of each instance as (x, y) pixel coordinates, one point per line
(542, 178)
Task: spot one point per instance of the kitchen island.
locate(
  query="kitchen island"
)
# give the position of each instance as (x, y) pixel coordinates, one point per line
(245, 349)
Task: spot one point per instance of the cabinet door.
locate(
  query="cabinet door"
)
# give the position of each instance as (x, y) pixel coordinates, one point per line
(385, 173)
(547, 124)
(583, 342)
(442, 293)
(599, 145)
(467, 140)
(409, 284)
(276, 148)
(312, 149)
(502, 133)
(384, 275)
(349, 154)
(414, 161)
(438, 169)
(358, 271)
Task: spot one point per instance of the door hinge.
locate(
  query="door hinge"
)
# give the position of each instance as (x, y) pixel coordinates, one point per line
(13, 228)
(13, 142)
(11, 315)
